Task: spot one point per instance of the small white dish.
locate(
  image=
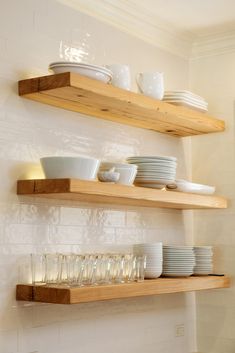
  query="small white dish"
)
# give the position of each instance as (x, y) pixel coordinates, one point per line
(109, 177)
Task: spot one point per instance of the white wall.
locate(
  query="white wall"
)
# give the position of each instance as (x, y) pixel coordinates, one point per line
(214, 164)
(32, 33)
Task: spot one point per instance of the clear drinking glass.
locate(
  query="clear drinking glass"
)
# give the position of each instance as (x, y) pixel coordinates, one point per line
(38, 268)
(140, 268)
(53, 268)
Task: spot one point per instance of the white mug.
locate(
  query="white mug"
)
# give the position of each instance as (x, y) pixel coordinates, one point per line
(151, 84)
(121, 76)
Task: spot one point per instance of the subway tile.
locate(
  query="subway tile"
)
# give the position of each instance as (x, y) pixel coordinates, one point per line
(40, 339)
(8, 341)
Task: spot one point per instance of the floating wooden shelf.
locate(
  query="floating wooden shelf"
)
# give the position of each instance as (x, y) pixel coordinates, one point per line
(94, 191)
(74, 295)
(94, 98)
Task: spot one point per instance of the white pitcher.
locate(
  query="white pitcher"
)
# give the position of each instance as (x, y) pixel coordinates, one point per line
(151, 84)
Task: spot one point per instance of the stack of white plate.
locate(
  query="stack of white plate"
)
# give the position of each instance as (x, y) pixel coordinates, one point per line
(178, 261)
(204, 261)
(93, 71)
(153, 253)
(154, 171)
(186, 98)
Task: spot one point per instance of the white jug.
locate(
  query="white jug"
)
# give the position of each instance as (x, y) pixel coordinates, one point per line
(151, 84)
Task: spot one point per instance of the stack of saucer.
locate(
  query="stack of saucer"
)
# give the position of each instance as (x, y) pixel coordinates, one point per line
(154, 171)
(178, 261)
(204, 261)
(186, 98)
(153, 253)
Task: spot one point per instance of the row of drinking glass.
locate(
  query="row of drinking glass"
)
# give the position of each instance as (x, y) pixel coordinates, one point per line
(86, 269)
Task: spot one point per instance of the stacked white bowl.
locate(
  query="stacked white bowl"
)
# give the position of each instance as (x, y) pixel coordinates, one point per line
(154, 171)
(178, 261)
(153, 253)
(204, 260)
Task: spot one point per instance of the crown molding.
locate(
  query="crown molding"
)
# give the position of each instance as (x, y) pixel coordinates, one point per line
(216, 44)
(138, 21)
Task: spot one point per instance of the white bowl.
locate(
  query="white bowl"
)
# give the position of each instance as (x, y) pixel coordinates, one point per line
(85, 168)
(92, 72)
(127, 175)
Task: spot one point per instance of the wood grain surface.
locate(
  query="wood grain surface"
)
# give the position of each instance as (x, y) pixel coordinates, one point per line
(65, 295)
(98, 192)
(94, 98)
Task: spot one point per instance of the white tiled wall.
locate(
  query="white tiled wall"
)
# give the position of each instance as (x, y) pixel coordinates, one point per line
(214, 164)
(32, 34)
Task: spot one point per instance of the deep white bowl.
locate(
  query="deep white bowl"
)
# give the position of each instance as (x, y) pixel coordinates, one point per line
(85, 168)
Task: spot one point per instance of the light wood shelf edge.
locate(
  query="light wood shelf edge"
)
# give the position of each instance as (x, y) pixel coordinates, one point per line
(65, 295)
(97, 192)
(78, 93)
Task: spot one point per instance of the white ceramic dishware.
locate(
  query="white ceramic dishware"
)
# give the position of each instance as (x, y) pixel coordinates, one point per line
(204, 260)
(153, 254)
(127, 171)
(109, 177)
(187, 99)
(127, 175)
(121, 76)
(96, 72)
(151, 84)
(178, 261)
(85, 168)
(194, 188)
(154, 171)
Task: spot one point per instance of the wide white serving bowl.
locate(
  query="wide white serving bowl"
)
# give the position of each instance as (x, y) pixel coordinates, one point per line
(99, 74)
(85, 168)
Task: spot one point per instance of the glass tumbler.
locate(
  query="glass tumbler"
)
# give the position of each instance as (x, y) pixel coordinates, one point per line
(53, 267)
(38, 268)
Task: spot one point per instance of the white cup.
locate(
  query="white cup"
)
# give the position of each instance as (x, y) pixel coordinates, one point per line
(121, 76)
(151, 84)
(127, 175)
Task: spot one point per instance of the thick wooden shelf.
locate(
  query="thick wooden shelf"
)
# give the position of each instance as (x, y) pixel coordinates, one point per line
(94, 98)
(94, 191)
(75, 295)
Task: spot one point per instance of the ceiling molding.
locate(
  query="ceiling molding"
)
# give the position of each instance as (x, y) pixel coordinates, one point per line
(216, 44)
(137, 21)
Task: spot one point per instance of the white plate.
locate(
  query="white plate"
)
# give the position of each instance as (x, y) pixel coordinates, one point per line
(186, 100)
(185, 92)
(186, 186)
(188, 105)
(170, 158)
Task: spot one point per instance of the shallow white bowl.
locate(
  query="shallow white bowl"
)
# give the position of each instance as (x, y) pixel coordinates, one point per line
(85, 168)
(97, 74)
